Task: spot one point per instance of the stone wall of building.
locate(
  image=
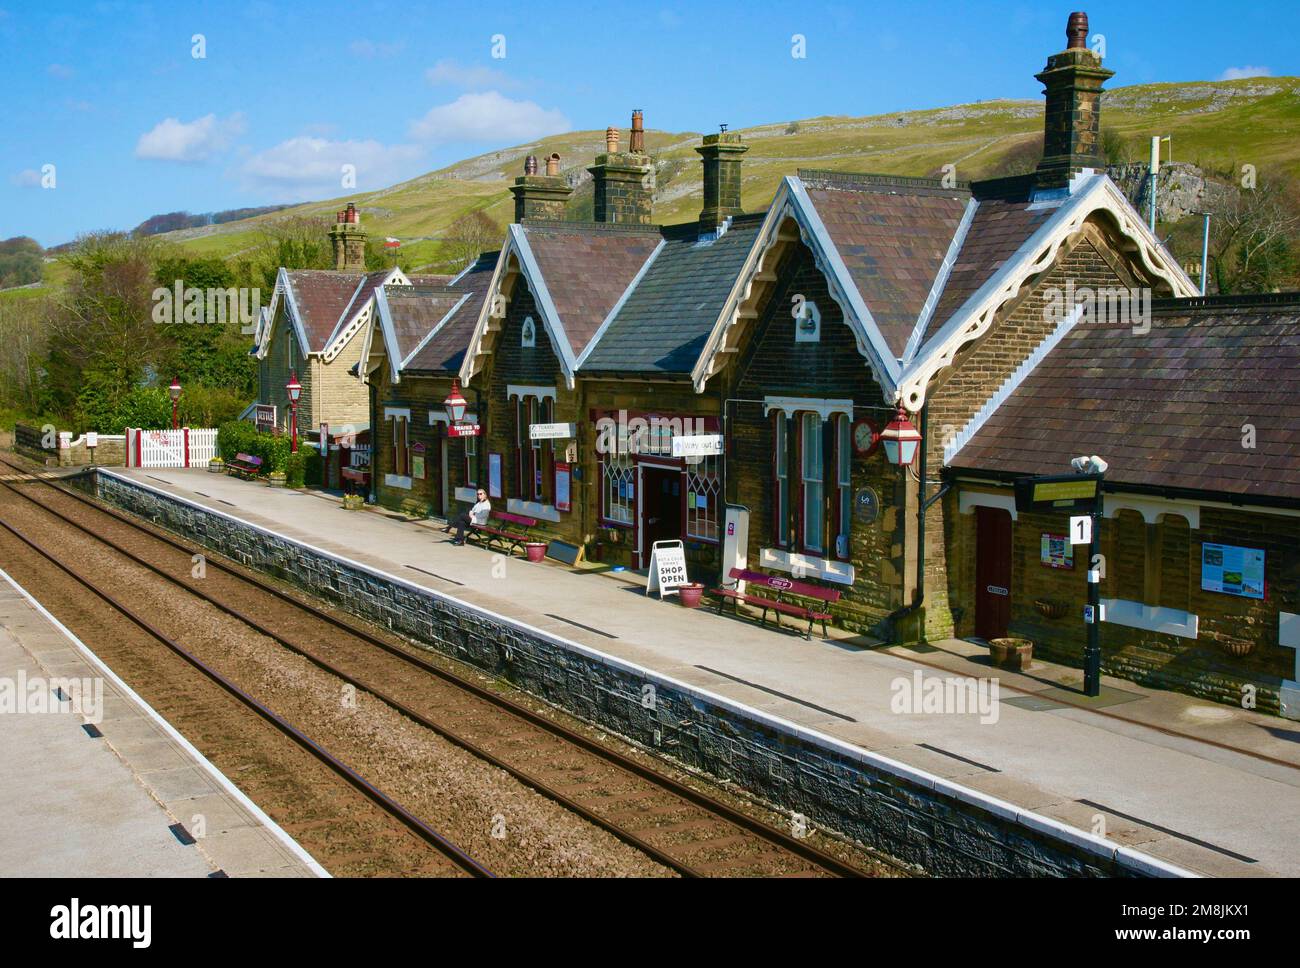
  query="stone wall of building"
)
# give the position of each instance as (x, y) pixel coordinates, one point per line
(423, 396)
(919, 818)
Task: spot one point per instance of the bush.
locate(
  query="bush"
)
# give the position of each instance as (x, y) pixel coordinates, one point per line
(295, 469)
(240, 437)
(315, 476)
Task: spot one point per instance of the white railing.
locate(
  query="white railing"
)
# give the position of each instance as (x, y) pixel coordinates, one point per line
(186, 447)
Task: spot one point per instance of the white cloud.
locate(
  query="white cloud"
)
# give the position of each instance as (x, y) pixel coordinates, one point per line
(62, 71)
(371, 49)
(1240, 73)
(307, 167)
(27, 178)
(471, 77)
(189, 142)
(488, 117)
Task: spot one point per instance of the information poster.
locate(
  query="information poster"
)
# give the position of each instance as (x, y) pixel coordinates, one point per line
(417, 462)
(562, 474)
(494, 475)
(1232, 570)
(1057, 552)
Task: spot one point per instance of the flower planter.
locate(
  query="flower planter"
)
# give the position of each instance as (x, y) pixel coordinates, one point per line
(691, 595)
(1050, 608)
(276, 479)
(536, 550)
(1237, 648)
(1011, 654)
(353, 502)
(216, 466)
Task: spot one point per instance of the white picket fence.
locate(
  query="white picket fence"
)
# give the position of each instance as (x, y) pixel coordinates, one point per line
(187, 447)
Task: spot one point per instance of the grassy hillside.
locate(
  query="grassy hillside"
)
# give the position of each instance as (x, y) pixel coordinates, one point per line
(1219, 125)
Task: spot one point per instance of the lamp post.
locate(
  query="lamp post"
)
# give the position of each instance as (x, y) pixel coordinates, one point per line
(175, 391)
(294, 389)
(1093, 615)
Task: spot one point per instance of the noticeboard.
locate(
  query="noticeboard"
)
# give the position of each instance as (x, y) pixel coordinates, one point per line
(1063, 492)
(1231, 570)
(562, 495)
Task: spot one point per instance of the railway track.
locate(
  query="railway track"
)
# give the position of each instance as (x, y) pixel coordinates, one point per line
(673, 823)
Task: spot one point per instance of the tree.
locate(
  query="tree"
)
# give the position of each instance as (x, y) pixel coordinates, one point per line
(24, 339)
(20, 262)
(1252, 237)
(471, 235)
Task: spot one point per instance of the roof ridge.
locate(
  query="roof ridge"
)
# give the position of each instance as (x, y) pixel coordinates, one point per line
(865, 181)
(628, 228)
(1242, 301)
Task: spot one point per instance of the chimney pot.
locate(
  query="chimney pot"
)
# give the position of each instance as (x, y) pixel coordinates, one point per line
(1077, 30)
(553, 165)
(637, 145)
(530, 165)
(611, 140)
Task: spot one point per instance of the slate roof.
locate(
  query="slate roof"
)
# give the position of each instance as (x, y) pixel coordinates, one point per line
(1166, 409)
(322, 297)
(445, 350)
(893, 236)
(587, 266)
(663, 325)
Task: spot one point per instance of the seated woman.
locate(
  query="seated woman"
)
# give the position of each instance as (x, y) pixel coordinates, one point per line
(475, 516)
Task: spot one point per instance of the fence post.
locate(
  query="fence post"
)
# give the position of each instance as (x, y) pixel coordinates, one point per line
(187, 447)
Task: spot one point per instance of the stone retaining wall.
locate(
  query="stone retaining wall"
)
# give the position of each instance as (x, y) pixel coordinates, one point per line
(906, 813)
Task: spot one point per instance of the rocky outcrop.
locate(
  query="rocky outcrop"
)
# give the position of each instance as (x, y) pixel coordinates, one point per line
(1181, 189)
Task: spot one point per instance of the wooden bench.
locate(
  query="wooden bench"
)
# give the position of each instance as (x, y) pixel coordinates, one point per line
(244, 465)
(775, 597)
(509, 538)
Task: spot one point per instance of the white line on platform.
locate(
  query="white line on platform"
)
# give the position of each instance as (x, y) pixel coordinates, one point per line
(235, 793)
(1121, 855)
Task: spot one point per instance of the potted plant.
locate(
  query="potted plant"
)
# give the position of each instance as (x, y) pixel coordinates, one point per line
(536, 550)
(1012, 654)
(216, 465)
(691, 594)
(353, 502)
(276, 479)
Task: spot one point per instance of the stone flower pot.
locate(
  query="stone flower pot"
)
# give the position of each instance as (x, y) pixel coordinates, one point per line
(1011, 654)
(216, 465)
(276, 479)
(536, 550)
(691, 595)
(353, 502)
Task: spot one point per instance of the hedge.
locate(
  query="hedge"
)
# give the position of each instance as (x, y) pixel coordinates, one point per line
(240, 437)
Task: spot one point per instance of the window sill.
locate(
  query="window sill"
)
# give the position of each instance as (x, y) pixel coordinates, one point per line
(1169, 621)
(840, 572)
(394, 480)
(532, 509)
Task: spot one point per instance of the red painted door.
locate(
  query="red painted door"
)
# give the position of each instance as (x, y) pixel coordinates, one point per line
(992, 572)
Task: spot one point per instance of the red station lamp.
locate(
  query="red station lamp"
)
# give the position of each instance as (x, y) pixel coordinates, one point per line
(455, 403)
(175, 391)
(901, 440)
(294, 389)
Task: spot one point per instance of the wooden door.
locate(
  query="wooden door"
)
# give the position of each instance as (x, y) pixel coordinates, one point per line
(992, 572)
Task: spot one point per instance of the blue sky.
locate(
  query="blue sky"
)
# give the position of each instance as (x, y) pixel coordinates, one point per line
(111, 94)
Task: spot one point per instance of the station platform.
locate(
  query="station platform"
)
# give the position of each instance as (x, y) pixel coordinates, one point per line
(1209, 788)
(101, 785)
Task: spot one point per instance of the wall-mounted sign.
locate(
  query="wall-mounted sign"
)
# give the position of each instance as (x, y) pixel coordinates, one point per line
(1056, 551)
(1232, 570)
(464, 430)
(417, 461)
(551, 431)
(562, 499)
(866, 505)
(323, 443)
(494, 475)
(698, 445)
(264, 417)
(1066, 492)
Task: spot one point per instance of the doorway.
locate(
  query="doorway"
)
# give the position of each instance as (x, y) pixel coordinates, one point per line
(992, 572)
(661, 506)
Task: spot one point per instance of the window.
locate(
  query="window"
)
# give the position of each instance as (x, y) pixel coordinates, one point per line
(534, 459)
(703, 490)
(617, 490)
(401, 446)
(781, 471)
(813, 472)
(844, 485)
(528, 333)
(471, 461)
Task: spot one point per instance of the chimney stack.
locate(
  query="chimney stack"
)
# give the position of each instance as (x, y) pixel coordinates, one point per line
(721, 154)
(348, 241)
(1072, 128)
(624, 181)
(540, 196)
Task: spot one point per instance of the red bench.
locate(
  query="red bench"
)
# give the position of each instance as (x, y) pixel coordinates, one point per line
(775, 597)
(244, 465)
(507, 538)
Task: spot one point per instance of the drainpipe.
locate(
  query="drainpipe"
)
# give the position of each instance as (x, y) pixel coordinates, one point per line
(372, 497)
(922, 506)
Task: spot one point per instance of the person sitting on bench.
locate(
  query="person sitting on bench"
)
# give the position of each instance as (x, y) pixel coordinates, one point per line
(475, 516)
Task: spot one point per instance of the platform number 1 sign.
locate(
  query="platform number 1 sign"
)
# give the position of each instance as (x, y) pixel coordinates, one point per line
(1081, 529)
